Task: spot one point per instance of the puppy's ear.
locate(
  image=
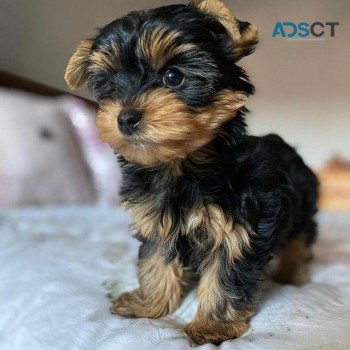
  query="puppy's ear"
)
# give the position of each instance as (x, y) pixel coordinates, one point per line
(243, 34)
(76, 72)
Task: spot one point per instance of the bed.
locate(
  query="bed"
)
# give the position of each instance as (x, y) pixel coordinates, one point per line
(59, 267)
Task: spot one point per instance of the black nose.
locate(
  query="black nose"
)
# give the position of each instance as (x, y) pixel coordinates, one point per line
(128, 121)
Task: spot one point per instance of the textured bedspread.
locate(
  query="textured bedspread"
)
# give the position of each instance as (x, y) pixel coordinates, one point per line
(58, 265)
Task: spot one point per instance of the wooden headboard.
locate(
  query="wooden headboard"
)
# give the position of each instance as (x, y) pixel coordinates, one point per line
(16, 82)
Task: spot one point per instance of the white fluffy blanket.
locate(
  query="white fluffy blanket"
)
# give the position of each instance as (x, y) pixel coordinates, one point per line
(57, 265)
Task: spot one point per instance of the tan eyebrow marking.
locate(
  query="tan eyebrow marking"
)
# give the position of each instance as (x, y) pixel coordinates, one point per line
(158, 47)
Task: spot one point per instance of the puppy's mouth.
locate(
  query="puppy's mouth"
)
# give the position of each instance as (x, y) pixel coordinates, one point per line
(137, 141)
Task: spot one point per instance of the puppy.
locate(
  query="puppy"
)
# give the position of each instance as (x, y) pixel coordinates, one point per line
(205, 197)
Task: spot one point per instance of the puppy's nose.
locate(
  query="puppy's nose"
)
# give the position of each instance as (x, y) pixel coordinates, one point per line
(128, 121)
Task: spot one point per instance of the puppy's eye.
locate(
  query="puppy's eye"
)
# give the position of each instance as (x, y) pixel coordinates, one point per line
(173, 77)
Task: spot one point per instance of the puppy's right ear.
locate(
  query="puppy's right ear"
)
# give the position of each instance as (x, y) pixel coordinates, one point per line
(76, 72)
(243, 34)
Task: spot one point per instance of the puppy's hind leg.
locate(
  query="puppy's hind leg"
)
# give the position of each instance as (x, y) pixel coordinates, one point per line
(293, 266)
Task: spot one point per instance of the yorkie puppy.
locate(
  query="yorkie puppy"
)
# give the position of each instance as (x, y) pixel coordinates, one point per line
(205, 197)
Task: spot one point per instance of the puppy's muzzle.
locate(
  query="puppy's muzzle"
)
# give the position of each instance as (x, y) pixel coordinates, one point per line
(129, 121)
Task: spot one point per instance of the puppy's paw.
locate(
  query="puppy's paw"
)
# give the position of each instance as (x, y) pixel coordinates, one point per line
(133, 305)
(128, 304)
(215, 333)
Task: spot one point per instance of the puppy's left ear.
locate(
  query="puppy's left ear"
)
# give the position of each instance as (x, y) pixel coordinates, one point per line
(243, 34)
(76, 72)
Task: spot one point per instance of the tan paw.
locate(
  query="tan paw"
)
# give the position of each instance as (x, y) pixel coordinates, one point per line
(298, 276)
(128, 304)
(215, 333)
(132, 305)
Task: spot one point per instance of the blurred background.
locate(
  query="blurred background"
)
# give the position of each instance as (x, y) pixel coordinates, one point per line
(49, 148)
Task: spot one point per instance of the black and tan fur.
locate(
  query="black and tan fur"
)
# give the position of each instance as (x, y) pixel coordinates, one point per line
(206, 198)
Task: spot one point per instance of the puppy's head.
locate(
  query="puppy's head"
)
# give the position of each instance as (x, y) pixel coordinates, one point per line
(166, 80)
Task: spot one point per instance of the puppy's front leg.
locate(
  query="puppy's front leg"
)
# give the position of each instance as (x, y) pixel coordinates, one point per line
(225, 306)
(161, 286)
